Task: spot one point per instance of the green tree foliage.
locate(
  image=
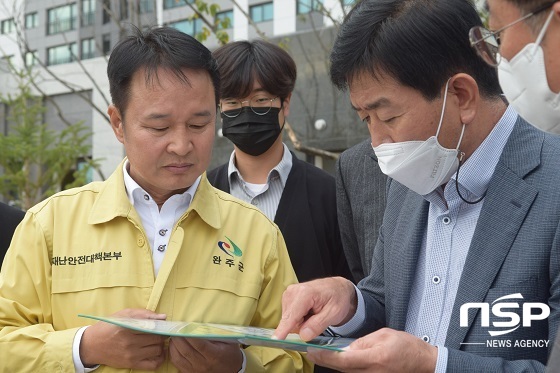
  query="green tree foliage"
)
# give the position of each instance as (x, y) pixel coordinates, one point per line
(37, 162)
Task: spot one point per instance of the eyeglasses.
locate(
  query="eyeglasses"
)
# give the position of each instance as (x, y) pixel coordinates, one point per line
(259, 104)
(487, 43)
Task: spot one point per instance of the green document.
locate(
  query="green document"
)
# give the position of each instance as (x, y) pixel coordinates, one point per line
(245, 335)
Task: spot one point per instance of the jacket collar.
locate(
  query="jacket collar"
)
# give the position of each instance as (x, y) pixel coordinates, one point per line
(112, 201)
(508, 200)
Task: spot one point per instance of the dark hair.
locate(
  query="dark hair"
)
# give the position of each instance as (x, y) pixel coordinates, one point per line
(528, 6)
(151, 49)
(419, 43)
(241, 62)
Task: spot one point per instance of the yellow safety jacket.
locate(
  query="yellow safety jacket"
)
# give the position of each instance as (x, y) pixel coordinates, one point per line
(84, 251)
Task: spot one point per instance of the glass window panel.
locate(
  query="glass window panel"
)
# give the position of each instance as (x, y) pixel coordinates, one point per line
(31, 20)
(261, 12)
(61, 54)
(306, 6)
(106, 44)
(146, 6)
(168, 4)
(30, 58)
(268, 12)
(8, 26)
(190, 27)
(124, 9)
(61, 19)
(88, 12)
(197, 26)
(106, 11)
(222, 17)
(88, 48)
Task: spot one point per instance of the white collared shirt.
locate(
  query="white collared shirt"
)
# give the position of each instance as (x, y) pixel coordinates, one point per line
(157, 223)
(265, 197)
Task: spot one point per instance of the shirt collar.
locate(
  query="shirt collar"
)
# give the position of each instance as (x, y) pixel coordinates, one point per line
(136, 193)
(113, 200)
(476, 172)
(282, 169)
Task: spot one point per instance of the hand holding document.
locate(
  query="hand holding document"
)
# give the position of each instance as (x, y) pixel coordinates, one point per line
(245, 335)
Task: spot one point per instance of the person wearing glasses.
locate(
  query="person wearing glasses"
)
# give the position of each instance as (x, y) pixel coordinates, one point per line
(465, 274)
(258, 78)
(525, 48)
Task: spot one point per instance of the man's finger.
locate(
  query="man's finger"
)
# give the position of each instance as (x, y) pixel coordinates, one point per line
(286, 326)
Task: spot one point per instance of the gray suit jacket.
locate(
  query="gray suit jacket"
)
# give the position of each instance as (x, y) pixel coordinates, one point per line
(360, 203)
(514, 249)
(553, 365)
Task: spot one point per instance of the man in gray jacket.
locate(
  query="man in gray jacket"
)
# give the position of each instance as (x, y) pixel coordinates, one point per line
(466, 271)
(360, 203)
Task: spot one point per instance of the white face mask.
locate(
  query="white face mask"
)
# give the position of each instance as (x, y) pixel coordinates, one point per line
(421, 166)
(523, 80)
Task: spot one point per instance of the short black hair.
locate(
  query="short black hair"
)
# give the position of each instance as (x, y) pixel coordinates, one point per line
(241, 62)
(419, 43)
(151, 49)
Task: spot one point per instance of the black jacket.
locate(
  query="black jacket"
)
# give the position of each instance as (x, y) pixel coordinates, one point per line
(9, 219)
(306, 216)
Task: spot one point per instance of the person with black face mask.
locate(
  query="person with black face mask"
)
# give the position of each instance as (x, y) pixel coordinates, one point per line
(257, 80)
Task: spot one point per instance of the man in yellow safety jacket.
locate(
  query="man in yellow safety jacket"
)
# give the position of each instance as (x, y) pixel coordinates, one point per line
(155, 240)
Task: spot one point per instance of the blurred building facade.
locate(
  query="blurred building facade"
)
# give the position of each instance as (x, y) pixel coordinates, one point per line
(66, 44)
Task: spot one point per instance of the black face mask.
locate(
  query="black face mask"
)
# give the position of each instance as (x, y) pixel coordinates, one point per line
(252, 133)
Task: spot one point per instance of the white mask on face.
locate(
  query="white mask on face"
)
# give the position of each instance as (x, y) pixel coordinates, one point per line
(523, 80)
(421, 166)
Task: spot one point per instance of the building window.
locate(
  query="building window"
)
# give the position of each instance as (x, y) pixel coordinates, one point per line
(188, 26)
(61, 54)
(61, 19)
(168, 4)
(225, 19)
(8, 26)
(124, 9)
(106, 11)
(306, 6)
(349, 2)
(31, 59)
(88, 48)
(106, 44)
(262, 12)
(31, 20)
(88, 12)
(146, 6)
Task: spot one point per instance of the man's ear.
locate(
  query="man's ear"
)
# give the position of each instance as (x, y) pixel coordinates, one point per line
(556, 9)
(286, 105)
(465, 89)
(116, 122)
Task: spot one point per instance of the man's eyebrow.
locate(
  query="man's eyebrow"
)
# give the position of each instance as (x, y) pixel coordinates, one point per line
(204, 113)
(155, 116)
(375, 104)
